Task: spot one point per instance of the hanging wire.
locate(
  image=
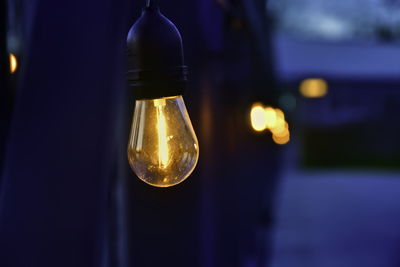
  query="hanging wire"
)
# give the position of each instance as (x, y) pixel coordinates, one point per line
(151, 3)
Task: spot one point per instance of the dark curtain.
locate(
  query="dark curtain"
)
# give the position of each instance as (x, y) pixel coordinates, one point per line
(6, 94)
(62, 145)
(68, 196)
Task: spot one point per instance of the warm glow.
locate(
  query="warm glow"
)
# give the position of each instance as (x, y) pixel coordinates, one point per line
(13, 63)
(313, 88)
(162, 133)
(163, 149)
(275, 118)
(280, 122)
(280, 114)
(270, 117)
(258, 117)
(281, 140)
(281, 130)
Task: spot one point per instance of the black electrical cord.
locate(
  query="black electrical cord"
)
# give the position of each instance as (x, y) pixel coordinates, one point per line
(156, 65)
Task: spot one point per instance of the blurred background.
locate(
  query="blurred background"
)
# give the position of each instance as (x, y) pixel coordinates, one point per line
(296, 107)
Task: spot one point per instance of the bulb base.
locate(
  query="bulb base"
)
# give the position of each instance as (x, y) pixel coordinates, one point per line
(156, 66)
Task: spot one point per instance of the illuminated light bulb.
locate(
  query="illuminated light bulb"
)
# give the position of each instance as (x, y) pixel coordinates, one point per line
(281, 140)
(13, 63)
(163, 149)
(313, 88)
(258, 117)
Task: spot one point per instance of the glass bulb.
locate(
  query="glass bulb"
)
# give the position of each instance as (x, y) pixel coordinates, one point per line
(163, 149)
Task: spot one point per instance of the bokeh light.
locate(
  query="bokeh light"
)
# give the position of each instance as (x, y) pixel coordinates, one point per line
(281, 130)
(273, 119)
(281, 140)
(314, 88)
(13, 63)
(270, 117)
(258, 117)
(280, 114)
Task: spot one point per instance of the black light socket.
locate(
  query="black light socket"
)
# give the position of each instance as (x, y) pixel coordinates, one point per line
(155, 56)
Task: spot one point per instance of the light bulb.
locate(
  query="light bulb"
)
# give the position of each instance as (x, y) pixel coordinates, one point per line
(163, 149)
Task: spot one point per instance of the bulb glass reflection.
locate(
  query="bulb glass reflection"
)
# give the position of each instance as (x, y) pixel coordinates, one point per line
(163, 149)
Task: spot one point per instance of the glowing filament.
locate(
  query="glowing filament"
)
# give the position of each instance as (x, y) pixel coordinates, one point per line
(162, 134)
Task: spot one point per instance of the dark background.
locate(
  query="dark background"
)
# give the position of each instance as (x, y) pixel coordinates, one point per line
(329, 197)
